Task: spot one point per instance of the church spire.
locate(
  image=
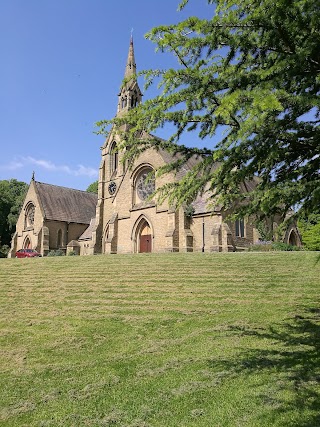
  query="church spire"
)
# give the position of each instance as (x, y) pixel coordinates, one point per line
(130, 94)
(131, 68)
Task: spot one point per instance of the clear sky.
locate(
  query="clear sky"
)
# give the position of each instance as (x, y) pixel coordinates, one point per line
(62, 63)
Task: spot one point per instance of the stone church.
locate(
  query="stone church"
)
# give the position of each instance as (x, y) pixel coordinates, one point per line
(123, 218)
(51, 217)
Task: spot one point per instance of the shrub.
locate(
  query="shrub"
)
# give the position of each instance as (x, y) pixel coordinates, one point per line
(58, 252)
(72, 253)
(280, 246)
(4, 250)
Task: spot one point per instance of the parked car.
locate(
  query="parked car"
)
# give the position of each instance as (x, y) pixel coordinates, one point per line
(27, 253)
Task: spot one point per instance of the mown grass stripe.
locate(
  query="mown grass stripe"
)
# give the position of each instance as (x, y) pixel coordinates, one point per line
(160, 340)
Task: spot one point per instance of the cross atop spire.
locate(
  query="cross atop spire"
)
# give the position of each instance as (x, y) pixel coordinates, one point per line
(131, 63)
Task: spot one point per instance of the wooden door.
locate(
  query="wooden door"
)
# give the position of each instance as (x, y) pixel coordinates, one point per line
(145, 238)
(145, 243)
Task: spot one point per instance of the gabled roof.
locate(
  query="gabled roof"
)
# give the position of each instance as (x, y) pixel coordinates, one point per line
(186, 167)
(87, 234)
(66, 204)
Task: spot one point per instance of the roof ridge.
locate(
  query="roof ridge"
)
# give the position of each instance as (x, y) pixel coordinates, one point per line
(67, 188)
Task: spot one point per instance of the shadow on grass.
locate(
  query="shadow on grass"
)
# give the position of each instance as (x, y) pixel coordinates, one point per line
(293, 359)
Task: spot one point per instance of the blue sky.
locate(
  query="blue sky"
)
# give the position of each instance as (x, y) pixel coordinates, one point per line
(62, 63)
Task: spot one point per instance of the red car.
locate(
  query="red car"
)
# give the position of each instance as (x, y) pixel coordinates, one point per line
(27, 253)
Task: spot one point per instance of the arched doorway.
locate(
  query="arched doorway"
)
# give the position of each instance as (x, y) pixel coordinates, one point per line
(144, 240)
(293, 239)
(27, 243)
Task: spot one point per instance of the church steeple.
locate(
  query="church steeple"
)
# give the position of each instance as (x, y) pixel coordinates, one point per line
(131, 67)
(130, 94)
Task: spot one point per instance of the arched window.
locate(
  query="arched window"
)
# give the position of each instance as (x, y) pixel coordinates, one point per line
(27, 243)
(134, 99)
(123, 102)
(29, 215)
(59, 239)
(240, 230)
(144, 184)
(113, 158)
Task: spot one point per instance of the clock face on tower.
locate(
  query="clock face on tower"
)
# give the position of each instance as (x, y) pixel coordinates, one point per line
(145, 184)
(112, 187)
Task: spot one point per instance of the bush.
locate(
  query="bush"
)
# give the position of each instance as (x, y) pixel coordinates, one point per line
(280, 246)
(58, 252)
(4, 250)
(72, 253)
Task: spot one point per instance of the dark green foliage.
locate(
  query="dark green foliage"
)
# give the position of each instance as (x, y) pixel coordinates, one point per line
(4, 250)
(252, 70)
(93, 188)
(12, 194)
(189, 210)
(57, 252)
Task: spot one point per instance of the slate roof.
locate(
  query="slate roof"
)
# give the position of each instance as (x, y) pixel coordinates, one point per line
(186, 167)
(202, 205)
(66, 204)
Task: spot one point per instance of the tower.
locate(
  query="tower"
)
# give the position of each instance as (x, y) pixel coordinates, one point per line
(112, 170)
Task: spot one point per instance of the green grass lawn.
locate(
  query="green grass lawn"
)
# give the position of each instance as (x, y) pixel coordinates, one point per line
(161, 340)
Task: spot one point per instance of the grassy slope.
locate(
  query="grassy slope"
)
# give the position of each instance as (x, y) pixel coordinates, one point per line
(160, 340)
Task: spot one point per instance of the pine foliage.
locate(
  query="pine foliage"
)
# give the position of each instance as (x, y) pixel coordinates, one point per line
(253, 70)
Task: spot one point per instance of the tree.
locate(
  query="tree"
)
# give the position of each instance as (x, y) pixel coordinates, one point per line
(93, 188)
(252, 71)
(12, 194)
